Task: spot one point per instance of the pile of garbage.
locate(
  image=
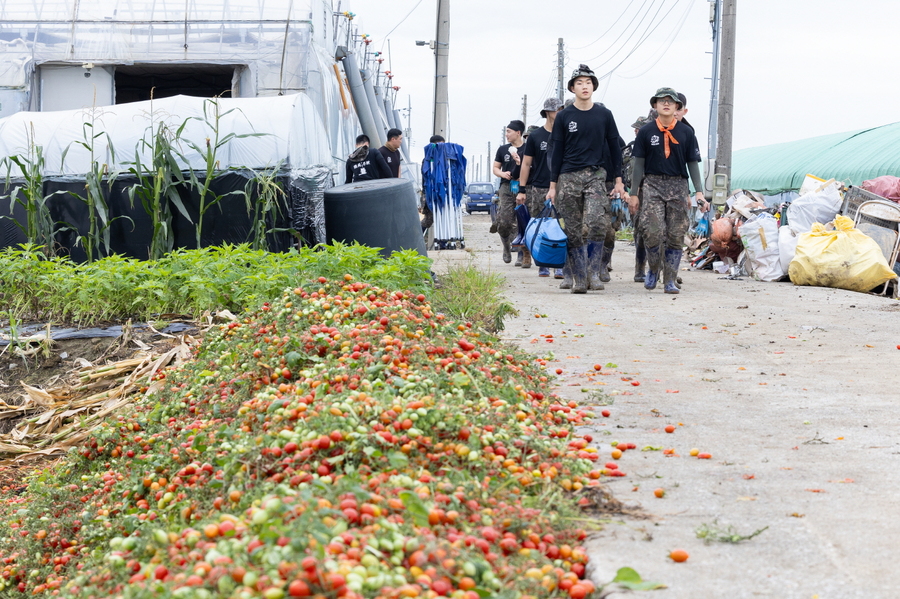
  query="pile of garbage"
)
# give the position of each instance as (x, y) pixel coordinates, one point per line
(810, 240)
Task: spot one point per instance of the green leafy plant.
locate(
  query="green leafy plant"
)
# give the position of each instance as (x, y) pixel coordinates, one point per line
(39, 227)
(157, 187)
(212, 117)
(468, 293)
(264, 197)
(723, 534)
(96, 242)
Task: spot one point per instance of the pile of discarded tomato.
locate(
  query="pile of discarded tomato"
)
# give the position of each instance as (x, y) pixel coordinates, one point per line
(343, 441)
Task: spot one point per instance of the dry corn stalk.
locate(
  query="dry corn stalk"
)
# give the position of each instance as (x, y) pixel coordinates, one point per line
(52, 420)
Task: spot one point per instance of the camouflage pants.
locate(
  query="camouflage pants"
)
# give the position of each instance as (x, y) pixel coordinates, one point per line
(583, 205)
(663, 218)
(506, 212)
(534, 200)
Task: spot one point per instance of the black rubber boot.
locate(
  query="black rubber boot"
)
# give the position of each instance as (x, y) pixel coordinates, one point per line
(605, 258)
(640, 262)
(578, 257)
(595, 257)
(567, 273)
(670, 270)
(518, 261)
(507, 255)
(654, 261)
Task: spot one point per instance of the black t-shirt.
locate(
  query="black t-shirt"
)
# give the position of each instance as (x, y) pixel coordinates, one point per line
(365, 166)
(583, 139)
(536, 146)
(507, 163)
(392, 157)
(650, 145)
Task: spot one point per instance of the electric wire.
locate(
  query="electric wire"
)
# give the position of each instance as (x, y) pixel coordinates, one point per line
(602, 35)
(649, 22)
(400, 23)
(671, 40)
(641, 41)
(627, 27)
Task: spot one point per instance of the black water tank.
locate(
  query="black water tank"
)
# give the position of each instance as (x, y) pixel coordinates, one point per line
(382, 213)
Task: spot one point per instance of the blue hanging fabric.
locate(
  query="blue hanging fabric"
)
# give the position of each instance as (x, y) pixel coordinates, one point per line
(444, 166)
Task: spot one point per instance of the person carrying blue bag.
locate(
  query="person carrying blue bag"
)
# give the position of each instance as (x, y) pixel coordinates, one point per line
(584, 145)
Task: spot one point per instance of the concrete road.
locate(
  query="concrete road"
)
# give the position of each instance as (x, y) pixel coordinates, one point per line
(792, 390)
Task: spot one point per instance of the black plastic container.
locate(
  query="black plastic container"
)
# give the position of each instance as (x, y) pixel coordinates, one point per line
(382, 213)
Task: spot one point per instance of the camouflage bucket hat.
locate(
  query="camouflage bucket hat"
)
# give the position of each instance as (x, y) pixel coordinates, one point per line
(551, 105)
(583, 71)
(665, 92)
(640, 122)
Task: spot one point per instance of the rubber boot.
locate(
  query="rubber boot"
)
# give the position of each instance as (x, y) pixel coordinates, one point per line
(526, 258)
(654, 262)
(543, 271)
(670, 270)
(507, 255)
(518, 262)
(567, 272)
(579, 259)
(558, 273)
(605, 258)
(640, 261)
(595, 257)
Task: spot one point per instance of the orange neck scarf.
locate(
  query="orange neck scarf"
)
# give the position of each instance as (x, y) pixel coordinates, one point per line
(667, 134)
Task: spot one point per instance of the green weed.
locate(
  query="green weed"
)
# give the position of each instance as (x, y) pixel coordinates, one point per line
(723, 534)
(473, 295)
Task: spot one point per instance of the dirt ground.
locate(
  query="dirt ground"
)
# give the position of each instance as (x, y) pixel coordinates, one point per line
(793, 392)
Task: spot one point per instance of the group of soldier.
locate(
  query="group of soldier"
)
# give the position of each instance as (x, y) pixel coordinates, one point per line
(578, 161)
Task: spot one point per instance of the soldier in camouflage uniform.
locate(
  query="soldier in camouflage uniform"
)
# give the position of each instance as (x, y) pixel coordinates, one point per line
(665, 151)
(584, 145)
(506, 166)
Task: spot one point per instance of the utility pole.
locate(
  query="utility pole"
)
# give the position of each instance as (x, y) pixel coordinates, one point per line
(715, 20)
(442, 60)
(560, 65)
(726, 89)
(525, 108)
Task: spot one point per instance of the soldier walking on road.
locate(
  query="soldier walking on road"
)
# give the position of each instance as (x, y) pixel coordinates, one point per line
(584, 145)
(507, 163)
(664, 152)
(534, 178)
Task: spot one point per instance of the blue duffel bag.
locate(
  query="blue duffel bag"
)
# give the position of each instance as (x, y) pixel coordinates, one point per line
(545, 238)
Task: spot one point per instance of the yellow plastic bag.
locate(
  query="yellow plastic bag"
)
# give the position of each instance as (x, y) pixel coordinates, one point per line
(843, 258)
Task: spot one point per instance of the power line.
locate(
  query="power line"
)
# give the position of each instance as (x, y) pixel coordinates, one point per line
(610, 27)
(400, 23)
(668, 45)
(625, 29)
(642, 40)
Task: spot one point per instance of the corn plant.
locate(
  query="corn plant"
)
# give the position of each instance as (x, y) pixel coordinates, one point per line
(212, 117)
(97, 241)
(39, 227)
(157, 187)
(264, 196)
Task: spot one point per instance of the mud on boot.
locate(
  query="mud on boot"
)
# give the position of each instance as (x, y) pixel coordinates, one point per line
(605, 258)
(507, 251)
(654, 261)
(566, 273)
(579, 258)
(595, 257)
(640, 262)
(670, 270)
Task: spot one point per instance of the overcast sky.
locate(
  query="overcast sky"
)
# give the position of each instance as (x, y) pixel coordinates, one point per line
(803, 68)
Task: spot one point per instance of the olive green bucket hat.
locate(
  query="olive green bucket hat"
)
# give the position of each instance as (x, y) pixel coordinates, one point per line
(666, 92)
